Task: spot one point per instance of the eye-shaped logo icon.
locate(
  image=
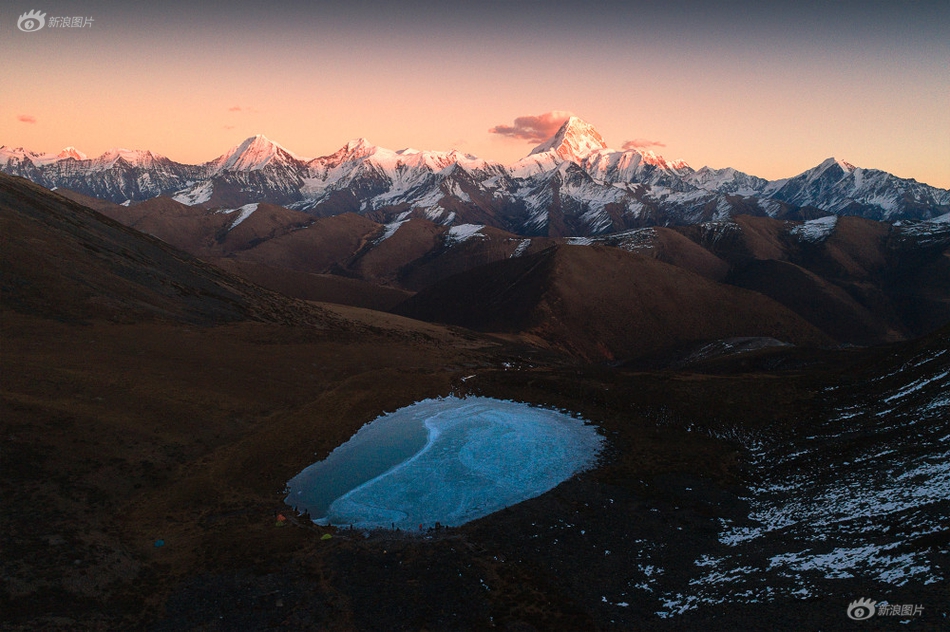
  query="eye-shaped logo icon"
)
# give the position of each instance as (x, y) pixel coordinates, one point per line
(31, 21)
(861, 609)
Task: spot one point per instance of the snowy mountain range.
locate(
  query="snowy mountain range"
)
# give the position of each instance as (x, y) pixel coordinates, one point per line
(570, 185)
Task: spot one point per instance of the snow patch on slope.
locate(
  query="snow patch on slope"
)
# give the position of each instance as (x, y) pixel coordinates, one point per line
(197, 194)
(243, 213)
(835, 505)
(462, 233)
(816, 230)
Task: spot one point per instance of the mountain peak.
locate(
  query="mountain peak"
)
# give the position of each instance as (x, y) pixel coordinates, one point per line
(253, 154)
(71, 152)
(575, 140)
(358, 144)
(135, 157)
(847, 167)
(356, 149)
(257, 142)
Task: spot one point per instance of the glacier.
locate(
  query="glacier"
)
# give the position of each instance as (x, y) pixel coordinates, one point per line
(479, 455)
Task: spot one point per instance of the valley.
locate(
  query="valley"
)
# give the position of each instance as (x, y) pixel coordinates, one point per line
(161, 387)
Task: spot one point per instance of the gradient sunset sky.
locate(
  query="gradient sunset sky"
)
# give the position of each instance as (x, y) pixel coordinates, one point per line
(770, 88)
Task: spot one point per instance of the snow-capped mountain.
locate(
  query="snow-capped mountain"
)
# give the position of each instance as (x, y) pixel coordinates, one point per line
(366, 178)
(843, 189)
(578, 142)
(574, 141)
(256, 170)
(118, 175)
(254, 154)
(572, 184)
(728, 180)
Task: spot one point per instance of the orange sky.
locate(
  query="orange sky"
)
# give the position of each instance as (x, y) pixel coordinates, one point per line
(767, 99)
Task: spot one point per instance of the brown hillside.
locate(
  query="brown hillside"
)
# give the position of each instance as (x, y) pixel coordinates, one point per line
(381, 261)
(327, 288)
(818, 301)
(266, 222)
(855, 249)
(97, 204)
(598, 302)
(62, 260)
(191, 228)
(671, 247)
(488, 246)
(763, 236)
(316, 248)
(740, 239)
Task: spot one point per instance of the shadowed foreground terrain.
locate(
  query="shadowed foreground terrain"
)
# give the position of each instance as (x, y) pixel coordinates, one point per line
(149, 397)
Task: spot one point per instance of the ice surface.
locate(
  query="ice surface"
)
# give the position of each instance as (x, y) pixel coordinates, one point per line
(481, 455)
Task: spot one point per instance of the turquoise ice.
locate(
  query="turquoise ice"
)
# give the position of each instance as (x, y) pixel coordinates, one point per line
(445, 460)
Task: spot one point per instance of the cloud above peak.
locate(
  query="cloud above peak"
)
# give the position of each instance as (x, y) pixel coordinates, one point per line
(26, 118)
(535, 128)
(642, 143)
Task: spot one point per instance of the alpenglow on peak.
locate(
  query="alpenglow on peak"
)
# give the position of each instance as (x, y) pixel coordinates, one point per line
(252, 154)
(575, 140)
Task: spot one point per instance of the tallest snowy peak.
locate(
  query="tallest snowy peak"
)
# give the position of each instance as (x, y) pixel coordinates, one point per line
(575, 140)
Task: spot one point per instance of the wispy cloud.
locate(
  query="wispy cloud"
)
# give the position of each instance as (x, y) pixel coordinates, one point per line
(26, 118)
(235, 108)
(533, 128)
(230, 126)
(642, 143)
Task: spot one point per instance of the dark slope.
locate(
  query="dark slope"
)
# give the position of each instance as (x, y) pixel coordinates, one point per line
(191, 228)
(671, 247)
(62, 260)
(741, 239)
(97, 204)
(328, 288)
(199, 231)
(421, 253)
(381, 259)
(823, 304)
(320, 246)
(599, 302)
(268, 221)
(865, 282)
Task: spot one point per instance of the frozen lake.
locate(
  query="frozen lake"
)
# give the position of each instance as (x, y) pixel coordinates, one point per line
(445, 460)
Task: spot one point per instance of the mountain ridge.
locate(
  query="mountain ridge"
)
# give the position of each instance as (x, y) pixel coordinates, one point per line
(542, 194)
